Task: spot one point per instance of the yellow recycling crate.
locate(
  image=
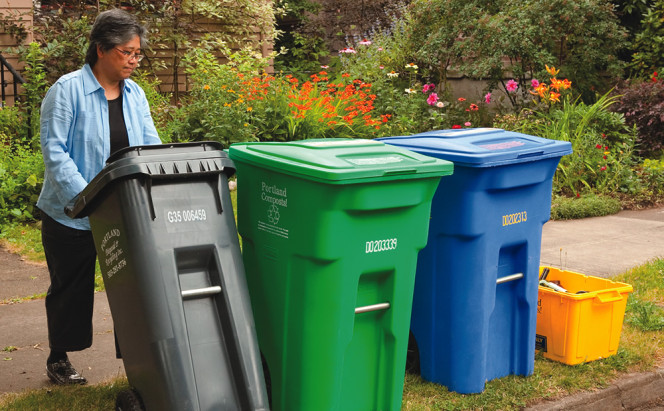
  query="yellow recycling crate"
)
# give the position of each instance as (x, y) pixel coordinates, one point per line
(582, 324)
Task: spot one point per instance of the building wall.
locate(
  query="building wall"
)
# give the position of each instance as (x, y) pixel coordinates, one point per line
(16, 9)
(18, 12)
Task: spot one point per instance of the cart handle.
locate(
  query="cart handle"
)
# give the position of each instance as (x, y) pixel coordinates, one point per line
(509, 278)
(373, 307)
(201, 292)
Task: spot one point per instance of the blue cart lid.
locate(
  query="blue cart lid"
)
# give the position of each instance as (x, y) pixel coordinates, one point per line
(482, 147)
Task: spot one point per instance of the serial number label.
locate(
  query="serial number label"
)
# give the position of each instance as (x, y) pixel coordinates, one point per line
(381, 245)
(186, 216)
(516, 218)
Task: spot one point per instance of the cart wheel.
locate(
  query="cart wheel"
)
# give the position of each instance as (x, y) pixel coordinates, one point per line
(128, 400)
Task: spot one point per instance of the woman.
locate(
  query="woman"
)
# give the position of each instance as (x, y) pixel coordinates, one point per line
(86, 115)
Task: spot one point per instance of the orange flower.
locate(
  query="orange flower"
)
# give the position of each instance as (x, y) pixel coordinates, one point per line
(541, 90)
(554, 97)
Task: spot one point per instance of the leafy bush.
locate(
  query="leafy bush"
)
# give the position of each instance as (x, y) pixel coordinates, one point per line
(570, 208)
(21, 178)
(603, 146)
(62, 38)
(230, 103)
(413, 104)
(652, 176)
(642, 104)
(648, 42)
(512, 38)
(160, 103)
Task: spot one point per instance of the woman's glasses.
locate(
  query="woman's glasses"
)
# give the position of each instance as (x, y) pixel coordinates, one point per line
(129, 55)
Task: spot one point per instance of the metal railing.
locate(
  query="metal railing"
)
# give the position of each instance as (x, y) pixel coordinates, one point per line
(4, 65)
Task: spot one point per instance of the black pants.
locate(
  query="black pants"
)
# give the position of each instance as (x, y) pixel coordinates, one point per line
(71, 256)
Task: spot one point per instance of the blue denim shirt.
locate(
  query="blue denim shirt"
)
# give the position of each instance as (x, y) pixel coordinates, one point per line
(75, 137)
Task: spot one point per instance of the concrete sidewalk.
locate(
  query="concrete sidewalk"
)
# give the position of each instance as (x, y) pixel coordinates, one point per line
(602, 246)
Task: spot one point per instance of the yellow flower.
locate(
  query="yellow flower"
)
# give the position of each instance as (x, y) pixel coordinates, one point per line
(246, 124)
(206, 87)
(551, 70)
(227, 104)
(249, 108)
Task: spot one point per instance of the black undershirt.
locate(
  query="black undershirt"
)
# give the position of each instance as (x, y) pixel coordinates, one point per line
(119, 136)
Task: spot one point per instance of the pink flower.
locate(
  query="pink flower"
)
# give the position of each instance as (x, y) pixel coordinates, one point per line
(511, 86)
(467, 124)
(534, 83)
(433, 97)
(487, 98)
(365, 42)
(427, 87)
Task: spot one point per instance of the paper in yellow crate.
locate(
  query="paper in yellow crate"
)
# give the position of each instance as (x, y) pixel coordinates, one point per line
(575, 327)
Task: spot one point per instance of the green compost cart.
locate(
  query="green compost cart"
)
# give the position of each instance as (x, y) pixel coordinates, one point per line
(331, 230)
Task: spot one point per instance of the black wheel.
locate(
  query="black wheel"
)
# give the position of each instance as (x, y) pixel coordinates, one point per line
(128, 400)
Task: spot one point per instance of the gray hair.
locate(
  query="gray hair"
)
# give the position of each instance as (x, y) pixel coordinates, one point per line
(112, 28)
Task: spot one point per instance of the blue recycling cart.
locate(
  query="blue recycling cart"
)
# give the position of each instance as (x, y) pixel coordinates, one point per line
(475, 300)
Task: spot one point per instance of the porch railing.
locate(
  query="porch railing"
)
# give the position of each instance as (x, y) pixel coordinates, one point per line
(6, 67)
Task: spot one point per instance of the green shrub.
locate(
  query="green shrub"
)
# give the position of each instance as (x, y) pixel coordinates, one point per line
(21, 178)
(603, 146)
(570, 208)
(514, 39)
(652, 176)
(402, 91)
(160, 103)
(648, 42)
(232, 103)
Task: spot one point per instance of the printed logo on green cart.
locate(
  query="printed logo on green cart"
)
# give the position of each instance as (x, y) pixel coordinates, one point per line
(276, 199)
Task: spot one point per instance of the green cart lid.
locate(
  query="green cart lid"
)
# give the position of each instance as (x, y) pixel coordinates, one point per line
(340, 161)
